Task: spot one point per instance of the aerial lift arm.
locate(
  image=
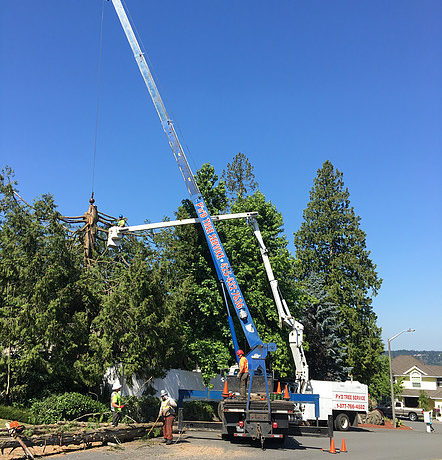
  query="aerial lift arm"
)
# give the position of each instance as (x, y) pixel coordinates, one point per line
(296, 335)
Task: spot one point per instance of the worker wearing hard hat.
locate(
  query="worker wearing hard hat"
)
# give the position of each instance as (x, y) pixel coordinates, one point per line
(243, 374)
(167, 411)
(116, 405)
(121, 221)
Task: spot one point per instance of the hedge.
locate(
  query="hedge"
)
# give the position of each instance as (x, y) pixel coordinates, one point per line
(16, 413)
(66, 406)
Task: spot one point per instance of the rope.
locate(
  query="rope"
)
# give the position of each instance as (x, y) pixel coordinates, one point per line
(100, 54)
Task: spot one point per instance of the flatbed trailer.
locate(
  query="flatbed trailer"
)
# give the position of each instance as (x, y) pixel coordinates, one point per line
(255, 417)
(232, 411)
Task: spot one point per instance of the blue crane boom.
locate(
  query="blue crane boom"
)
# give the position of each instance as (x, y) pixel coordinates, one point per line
(223, 268)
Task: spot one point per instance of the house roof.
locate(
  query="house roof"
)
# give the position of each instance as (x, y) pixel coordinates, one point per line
(415, 392)
(404, 363)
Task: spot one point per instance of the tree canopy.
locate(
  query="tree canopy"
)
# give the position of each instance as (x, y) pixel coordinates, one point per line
(155, 303)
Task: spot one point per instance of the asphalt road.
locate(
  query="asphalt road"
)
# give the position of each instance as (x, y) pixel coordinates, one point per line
(372, 444)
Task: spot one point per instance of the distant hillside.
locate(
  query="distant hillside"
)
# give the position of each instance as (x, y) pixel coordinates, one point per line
(433, 358)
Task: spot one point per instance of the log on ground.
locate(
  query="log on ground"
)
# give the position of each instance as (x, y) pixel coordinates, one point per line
(122, 433)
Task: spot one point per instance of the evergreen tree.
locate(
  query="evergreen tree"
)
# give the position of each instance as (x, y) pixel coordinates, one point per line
(325, 349)
(45, 308)
(239, 177)
(134, 329)
(331, 243)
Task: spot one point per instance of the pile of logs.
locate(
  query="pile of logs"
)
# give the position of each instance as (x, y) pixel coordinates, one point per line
(75, 433)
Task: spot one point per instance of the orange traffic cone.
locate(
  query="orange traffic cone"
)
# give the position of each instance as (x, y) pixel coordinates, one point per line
(278, 390)
(225, 393)
(286, 393)
(332, 446)
(343, 448)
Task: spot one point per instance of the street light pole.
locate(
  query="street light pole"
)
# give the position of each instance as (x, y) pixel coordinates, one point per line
(393, 409)
(391, 386)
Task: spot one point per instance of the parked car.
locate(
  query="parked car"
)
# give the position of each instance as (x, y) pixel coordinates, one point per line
(412, 413)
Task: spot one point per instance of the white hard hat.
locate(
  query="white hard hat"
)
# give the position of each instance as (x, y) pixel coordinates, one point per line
(163, 393)
(116, 385)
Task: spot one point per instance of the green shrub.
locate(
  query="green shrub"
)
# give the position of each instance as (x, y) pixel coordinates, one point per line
(200, 410)
(67, 406)
(16, 413)
(424, 400)
(141, 409)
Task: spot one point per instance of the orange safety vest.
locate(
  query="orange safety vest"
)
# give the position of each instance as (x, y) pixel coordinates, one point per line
(243, 365)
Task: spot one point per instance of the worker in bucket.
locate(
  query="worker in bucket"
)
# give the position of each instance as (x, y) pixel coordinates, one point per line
(116, 405)
(243, 374)
(167, 411)
(121, 221)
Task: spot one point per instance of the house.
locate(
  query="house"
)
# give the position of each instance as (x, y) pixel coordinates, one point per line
(417, 376)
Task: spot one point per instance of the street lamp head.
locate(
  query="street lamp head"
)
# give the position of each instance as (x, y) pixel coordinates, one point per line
(399, 333)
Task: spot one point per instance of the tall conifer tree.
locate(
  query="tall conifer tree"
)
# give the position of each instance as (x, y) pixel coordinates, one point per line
(331, 243)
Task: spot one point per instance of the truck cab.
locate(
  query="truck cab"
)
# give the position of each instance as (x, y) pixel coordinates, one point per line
(402, 410)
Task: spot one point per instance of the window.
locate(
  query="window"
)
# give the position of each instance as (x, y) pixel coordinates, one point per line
(416, 379)
(439, 382)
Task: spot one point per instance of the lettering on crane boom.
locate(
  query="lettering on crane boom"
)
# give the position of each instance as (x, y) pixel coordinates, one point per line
(217, 249)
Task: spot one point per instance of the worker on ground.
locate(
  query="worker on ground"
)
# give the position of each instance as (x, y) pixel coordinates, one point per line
(243, 374)
(116, 405)
(121, 221)
(167, 411)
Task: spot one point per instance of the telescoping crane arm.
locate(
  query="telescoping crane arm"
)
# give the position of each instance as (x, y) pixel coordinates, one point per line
(220, 260)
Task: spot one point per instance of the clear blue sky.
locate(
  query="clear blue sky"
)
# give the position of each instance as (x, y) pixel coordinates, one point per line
(289, 83)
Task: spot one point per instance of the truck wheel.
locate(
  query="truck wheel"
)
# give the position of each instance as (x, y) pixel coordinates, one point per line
(342, 422)
(412, 416)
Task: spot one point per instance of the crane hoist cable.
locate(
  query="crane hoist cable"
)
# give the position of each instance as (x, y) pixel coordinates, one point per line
(100, 54)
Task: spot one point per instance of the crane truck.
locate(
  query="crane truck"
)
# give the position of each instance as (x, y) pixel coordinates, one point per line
(339, 402)
(259, 419)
